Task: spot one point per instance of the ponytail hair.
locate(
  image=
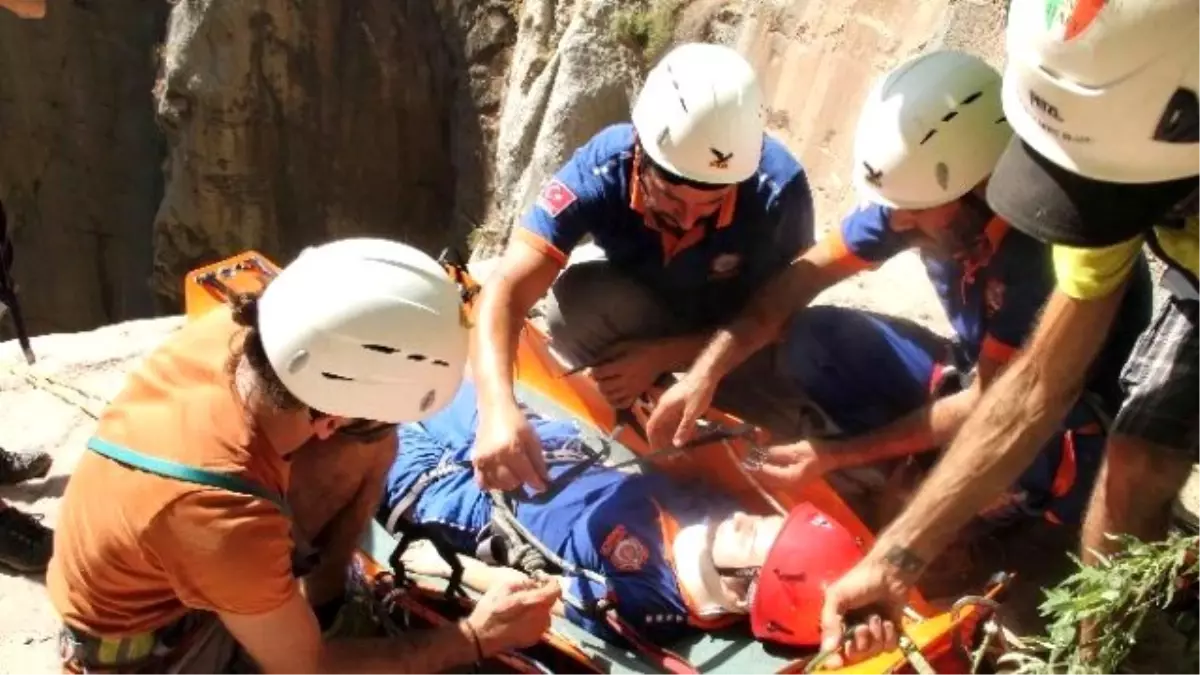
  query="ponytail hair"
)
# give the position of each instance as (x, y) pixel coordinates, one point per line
(268, 386)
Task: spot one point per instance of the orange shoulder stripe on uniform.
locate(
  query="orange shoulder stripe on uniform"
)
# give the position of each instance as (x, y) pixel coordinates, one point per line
(839, 254)
(539, 244)
(996, 350)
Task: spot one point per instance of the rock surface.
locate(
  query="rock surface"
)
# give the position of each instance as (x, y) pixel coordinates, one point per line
(570, 76)
(278, 123)
(52, 407)
(818, 59)
(289, 122)
(292, 122)
(80, 158)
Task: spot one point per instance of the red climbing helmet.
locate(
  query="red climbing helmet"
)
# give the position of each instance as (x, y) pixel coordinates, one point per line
(811, 552)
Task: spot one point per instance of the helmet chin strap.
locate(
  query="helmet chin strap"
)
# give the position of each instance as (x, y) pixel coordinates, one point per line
(969, 226)
(699, 575)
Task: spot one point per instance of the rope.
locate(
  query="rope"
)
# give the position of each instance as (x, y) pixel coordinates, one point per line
(524, 540)
(762, 492)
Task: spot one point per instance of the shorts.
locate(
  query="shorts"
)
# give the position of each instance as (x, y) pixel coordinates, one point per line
(1160, 381)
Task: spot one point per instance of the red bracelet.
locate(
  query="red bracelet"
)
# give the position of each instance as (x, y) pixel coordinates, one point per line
(474, 639)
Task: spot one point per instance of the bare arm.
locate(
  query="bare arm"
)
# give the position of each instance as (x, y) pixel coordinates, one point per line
(761, 322)
(999, 440)
(478, 576)
(524, 276)
(791, 289)
(680, 352)
(929, 428)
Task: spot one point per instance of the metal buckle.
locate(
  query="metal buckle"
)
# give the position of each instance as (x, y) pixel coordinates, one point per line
(557, 485)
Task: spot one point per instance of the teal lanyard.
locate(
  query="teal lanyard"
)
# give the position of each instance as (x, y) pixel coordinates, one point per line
(182, 472)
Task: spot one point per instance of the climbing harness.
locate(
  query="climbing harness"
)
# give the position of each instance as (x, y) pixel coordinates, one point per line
(521, 549)
(577, 453)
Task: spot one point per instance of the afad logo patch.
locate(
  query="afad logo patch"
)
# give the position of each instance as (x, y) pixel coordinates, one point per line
(993, 296)
(726, 265)
(626, 552)
(1072, 17)
(555, 197)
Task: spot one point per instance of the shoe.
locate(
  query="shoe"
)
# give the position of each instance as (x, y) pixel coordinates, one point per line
(25, 544)
(16, 467)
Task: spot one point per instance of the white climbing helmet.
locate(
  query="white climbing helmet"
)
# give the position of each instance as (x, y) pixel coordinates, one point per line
(365, 328)
(931, 129)
(699, 115)
(1106, 90)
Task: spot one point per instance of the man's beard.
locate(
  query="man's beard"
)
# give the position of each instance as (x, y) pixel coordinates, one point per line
(963, 238)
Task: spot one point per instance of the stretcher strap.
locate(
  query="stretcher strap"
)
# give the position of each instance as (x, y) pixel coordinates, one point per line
(518, 535)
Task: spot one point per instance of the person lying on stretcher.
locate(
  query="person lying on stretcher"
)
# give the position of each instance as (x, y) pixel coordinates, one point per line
(675, 558)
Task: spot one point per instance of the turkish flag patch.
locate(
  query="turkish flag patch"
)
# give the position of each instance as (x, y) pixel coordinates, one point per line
(555, 197)
(626, 552)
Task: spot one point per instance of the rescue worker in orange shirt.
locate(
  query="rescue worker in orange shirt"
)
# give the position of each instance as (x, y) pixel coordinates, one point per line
(229, 482)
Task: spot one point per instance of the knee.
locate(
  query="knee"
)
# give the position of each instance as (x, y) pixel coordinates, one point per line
(582, 282)
(577, 286)
(592, 305)
(810, 341)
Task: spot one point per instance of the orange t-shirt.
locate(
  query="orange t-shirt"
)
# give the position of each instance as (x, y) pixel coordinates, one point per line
(135, 551)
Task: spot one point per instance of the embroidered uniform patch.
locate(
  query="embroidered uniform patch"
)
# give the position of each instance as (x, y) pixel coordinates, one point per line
(726, 264)
(993, 296)
(555, 197)
(626, 552)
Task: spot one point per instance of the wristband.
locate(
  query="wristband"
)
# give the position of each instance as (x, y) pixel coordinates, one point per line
(474, 640)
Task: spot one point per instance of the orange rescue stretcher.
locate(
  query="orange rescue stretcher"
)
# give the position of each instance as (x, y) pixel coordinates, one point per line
(964, 639)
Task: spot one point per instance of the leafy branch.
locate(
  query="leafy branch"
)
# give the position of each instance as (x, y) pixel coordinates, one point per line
(1116, 594)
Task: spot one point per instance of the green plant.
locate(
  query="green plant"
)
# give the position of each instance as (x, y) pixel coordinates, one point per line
(1117, 594)
(648, 27)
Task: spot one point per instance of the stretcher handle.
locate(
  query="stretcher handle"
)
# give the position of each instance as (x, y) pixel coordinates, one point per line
(720, 433)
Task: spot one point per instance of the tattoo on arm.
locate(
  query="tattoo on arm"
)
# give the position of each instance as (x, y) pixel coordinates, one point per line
(909, 564)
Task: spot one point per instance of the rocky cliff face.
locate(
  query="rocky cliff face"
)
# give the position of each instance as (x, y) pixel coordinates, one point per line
(138, 139)
(818, 59)
(570, 76)
(80, 158)
(292, 122)
(577, 68)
